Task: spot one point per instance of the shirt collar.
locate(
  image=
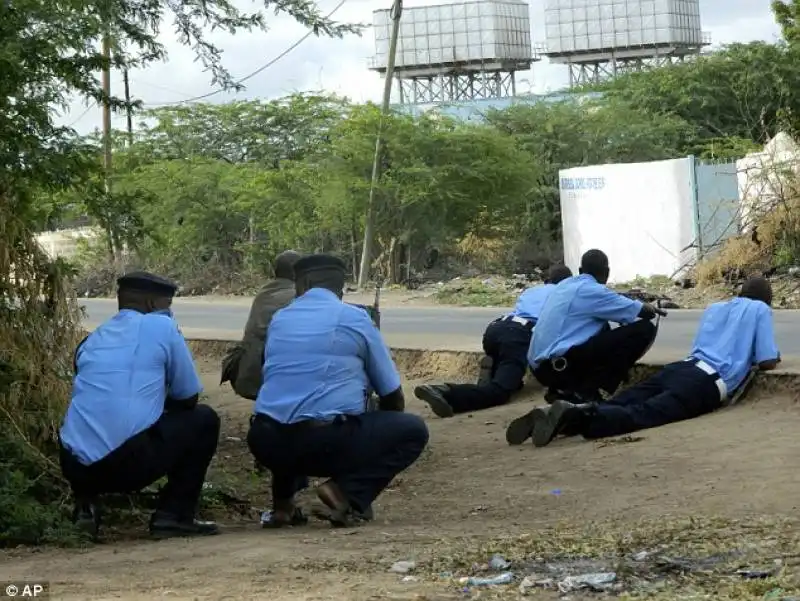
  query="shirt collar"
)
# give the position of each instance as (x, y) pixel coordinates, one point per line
(321, 293)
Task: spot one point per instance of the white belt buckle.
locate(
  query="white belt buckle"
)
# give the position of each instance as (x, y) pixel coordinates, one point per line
(520, 320)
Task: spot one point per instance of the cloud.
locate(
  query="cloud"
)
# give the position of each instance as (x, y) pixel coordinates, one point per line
(341, 65)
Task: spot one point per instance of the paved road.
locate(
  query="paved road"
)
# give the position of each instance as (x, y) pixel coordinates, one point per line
(435, 327)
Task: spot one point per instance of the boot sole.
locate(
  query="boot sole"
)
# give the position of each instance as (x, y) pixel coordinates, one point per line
(522, 428)
(546, 429)
(438, 405)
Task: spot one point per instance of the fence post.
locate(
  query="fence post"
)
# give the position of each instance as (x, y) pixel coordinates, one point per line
(698, 226)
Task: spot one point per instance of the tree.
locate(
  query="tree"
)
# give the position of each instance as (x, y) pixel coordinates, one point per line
(48, 53)
(267, 133)
(438, 177)
(787, 15)
(745, 92)
(568, 134)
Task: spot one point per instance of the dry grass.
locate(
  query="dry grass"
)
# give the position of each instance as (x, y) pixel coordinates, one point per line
(38, 320)
(661, 560)
(774, 242)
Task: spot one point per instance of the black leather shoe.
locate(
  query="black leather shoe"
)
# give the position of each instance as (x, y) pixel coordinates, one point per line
(562, 416)
(163, 525)
(521, 428)
(434, 396)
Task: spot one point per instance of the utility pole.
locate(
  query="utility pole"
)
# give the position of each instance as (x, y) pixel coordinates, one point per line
(107, 131)
(128, 108)
(366, 252)
(107, 109)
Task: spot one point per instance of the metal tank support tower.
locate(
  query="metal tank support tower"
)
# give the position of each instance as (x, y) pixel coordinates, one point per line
(599, 39)
(453, 52)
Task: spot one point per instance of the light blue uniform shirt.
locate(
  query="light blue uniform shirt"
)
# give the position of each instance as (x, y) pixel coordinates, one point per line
(322, 356)
(126, 369)
(530, 303)
(733, 336)
(577, 309)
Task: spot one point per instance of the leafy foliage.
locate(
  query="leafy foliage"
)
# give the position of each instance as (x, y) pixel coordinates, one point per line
(49, 53)
(224, 188)
(742, 94)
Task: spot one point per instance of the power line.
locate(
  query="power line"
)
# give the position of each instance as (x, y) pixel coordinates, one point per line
(83, 114)
(257, 71)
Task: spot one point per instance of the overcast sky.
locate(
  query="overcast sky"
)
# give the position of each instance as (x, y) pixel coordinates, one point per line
(341, 65)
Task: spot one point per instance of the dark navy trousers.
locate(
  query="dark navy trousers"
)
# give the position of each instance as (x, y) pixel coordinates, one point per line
(361, 454)
(506, 342)
(602, 362)
(180, 446)
(679, 391)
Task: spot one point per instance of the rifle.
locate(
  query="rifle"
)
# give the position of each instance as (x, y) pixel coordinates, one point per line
(374, 311)
(739, 393)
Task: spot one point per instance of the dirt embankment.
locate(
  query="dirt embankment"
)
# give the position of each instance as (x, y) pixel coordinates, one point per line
(673, 512)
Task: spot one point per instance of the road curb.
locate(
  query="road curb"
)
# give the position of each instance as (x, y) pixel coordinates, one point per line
(460, 365)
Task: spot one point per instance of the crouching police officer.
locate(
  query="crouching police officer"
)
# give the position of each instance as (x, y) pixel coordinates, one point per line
(505, 343)
(322, 356)
(574, 351)
(733, 337)
(134, 417)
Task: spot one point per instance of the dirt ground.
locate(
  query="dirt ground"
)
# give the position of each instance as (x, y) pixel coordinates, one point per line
(637, 506)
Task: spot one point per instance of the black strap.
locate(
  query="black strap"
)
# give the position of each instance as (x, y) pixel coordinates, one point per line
(75, 354)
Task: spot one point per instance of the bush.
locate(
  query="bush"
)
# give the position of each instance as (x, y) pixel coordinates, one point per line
(38, 330)
(772, 243)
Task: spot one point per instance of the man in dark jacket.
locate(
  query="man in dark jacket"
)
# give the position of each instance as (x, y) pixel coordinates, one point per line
(242, 365)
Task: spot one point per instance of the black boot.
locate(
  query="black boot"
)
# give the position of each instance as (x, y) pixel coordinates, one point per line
(554, 394)
(86, 516)
(563, 417)
(521, 428)
(434, 396)
(167, 525)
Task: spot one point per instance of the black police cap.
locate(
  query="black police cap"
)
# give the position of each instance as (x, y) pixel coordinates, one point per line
(318, 263)
(147, 282)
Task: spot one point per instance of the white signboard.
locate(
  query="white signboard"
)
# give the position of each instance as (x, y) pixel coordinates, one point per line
(640, 214)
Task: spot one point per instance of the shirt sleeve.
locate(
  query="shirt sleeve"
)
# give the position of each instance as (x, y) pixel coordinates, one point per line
(182, 379)
(603, 303)
(381, 370)
(765, 347)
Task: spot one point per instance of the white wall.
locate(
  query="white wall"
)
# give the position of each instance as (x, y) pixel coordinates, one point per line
(640, 214)
(64, 243)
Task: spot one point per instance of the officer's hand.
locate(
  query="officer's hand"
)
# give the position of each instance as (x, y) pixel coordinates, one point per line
(648, 311)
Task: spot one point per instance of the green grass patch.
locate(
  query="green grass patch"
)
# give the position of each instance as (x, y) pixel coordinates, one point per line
(475, 294)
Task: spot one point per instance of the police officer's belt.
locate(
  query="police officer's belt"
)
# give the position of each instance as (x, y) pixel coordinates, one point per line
(308, 423)
(719, 382)
(517, 319)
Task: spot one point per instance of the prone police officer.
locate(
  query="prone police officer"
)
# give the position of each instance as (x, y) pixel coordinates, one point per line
(242, 365)
(322, 357)
(733, 337)
(505, 342)
(134, 415)
(574, 351)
